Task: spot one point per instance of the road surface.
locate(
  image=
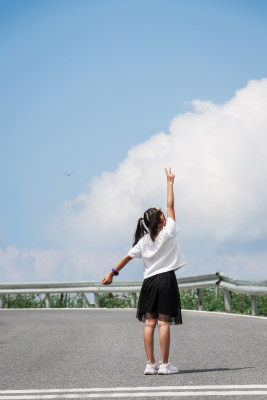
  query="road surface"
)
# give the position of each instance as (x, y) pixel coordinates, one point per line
(89, 353)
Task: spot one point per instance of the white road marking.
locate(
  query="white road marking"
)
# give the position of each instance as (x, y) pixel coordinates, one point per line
(138, 394)
(127, 392)
(132, 388)
(227, 314)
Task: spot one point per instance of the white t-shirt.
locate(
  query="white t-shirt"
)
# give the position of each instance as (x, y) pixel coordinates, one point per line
(162, 255)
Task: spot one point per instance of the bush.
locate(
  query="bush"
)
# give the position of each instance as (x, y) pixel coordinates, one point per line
(240, 303)
(262, 305)
(189, 299)
(22, 301)
(213, 300)
(35, 301)
(110, 300)
(66, 300)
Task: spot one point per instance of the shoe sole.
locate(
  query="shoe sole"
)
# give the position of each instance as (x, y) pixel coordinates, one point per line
(168, 373)
(151, 373)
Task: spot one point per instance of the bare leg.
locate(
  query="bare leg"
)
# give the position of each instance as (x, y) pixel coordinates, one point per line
(149, 339)
(164, 339)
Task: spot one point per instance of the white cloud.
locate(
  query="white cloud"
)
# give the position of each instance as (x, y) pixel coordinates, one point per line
(20, 265)
(219, 155)
(37, 265)
(240, 266)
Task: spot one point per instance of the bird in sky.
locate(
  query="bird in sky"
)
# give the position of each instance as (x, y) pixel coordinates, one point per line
(69, 174)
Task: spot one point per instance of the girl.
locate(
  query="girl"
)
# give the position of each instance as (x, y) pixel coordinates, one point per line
(159, 300)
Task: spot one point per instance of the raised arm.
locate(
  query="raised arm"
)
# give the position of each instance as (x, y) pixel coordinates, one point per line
(107, 280)
(170, 195)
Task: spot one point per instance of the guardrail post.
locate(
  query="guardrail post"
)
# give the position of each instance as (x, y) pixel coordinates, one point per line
(200, 299)
(254, 305)
(227, 300)
(2, 303)
(133, 300)
(47, 300)
(216, 292)
(61, 299)
(42, 302)
(96, 298)
(86, 300)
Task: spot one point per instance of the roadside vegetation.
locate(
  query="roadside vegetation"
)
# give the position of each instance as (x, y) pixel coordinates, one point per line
(213, 301)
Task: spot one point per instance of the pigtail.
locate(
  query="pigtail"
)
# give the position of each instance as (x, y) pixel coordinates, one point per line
(152, 219)
(151, 223)
(140, 231)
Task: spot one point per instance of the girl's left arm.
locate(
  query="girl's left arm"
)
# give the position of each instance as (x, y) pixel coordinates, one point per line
(107, 280)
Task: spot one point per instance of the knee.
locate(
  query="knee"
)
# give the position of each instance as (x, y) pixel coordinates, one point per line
(151, 323)
(163, 324)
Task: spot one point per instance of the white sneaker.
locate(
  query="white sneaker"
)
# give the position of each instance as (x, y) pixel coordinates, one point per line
(151, 369)
(167, 369)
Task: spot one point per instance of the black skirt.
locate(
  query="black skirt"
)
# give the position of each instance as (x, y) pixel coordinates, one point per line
(160, 299)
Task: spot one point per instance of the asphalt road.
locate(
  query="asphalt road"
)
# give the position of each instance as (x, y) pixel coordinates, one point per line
(92, 353)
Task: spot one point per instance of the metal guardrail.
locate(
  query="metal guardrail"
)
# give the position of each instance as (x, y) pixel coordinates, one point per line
(196, 282)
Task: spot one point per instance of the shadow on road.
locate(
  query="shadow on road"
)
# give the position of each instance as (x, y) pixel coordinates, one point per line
(195, 371)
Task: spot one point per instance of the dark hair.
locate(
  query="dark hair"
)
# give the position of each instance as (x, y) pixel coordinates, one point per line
(149, 223)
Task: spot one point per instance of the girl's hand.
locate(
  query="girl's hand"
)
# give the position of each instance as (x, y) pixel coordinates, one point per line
(108, 279)
(170, 175)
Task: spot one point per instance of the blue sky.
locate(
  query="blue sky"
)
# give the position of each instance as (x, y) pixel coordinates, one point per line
(84, 82)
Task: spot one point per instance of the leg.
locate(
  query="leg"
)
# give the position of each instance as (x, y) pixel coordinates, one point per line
(164, 339)
(149, 339)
